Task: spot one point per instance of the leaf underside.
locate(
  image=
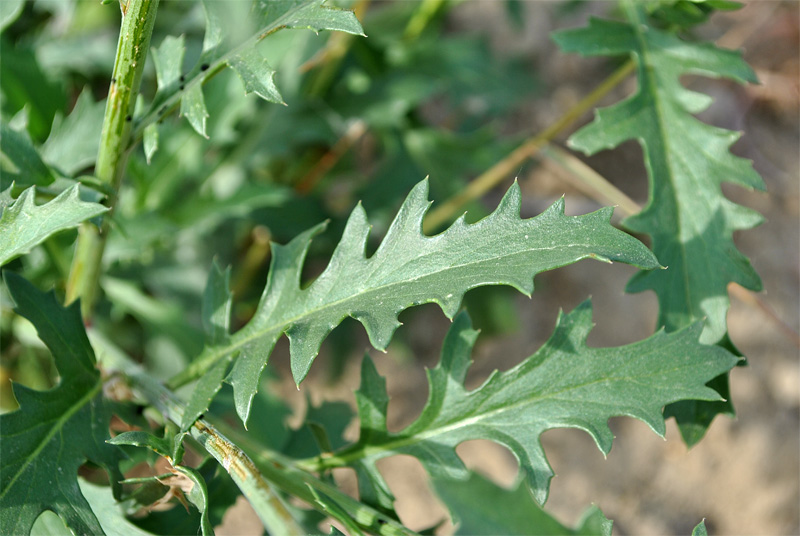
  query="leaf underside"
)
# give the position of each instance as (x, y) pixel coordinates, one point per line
(407, 269)
(24, 225)
(690, 221)
(565, 384)
(54, 432)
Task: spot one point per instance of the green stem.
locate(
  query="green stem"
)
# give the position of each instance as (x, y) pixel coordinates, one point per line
(426, 11)
(138, 18)
(255, 480)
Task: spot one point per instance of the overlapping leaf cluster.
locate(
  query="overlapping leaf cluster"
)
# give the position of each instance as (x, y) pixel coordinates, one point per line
(232, 31)
(407, 269)
(690, 221)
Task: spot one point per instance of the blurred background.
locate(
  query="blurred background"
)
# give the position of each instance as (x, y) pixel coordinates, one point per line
(446, 90)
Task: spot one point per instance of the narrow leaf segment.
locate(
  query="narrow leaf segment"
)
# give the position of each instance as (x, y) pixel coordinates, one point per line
(24, 225)
(690, 221)
(565, 384)
(54, 432)
(408, 269)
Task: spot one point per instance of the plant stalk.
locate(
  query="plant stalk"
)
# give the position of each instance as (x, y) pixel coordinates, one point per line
(497, 173)
(257, 481)
(138, 18)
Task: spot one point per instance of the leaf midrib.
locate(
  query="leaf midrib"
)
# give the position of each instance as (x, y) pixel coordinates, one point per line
(57, 427)
(279, 327)
(400, 441)
(646, 59)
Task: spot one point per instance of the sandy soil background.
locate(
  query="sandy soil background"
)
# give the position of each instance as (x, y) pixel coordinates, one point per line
(743, 477)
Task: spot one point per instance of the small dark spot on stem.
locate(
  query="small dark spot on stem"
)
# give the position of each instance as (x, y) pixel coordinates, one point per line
(183, 78)
(113, 80)
(163, 110)
(181, 87)
(128, 118)
(204, 67)
(201, 416)
(381, 521)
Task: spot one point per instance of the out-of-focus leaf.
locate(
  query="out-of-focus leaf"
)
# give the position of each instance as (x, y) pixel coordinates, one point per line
(232, 31)
(23, 225)
(150, 141)
(24, 85)
(216, 313)
(54, 432)
(481, 507)
(9, 11)
(256, 75)
(74, 140)
(564, 384)
(193, 108)
(408, 269)
(689, 219)
(22, 164)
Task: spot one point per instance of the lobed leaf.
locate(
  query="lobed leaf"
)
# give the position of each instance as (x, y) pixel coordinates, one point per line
(54, 432)
(690, 221)
(565, 384)
(23, 225)
(408, 269)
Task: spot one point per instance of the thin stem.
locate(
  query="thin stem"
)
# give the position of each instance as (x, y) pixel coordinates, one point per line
(258, 480)
(273, 513)
(589, 181)
(500, 171)
(138, 18)
(426, 11)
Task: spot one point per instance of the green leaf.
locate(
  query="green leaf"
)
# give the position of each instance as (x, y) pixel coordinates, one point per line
(256, 75)
(23, 225)
(700, 529)
(170, 446)
(168, 59)
(233, 29)
(108, 511)
(193, 108)
(216, 314)
(74, 140)
(150, 141)
(198, 496)
(25, 86)
(482, 507)
(690, 221)
(565, 384)
(407, 269)
(54, 432)
(22, 164)
(9, 11)
(329, 506)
